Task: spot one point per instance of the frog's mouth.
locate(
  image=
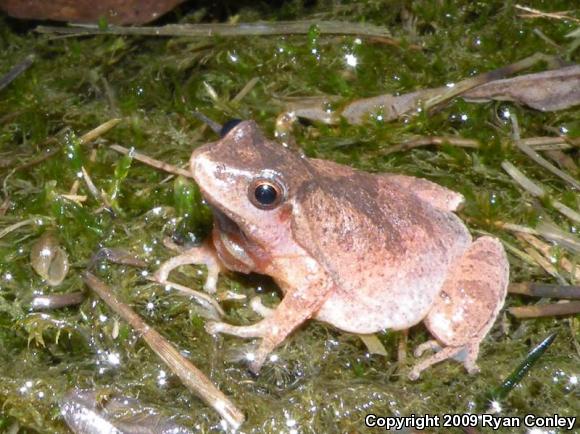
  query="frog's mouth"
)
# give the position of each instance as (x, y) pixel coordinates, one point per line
(223, 222)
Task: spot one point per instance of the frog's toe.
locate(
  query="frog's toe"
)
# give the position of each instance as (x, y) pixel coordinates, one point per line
(211, 282)
(259, 308)
(214, 327)
(256, 366)
(431, 345)
(161, 275)
(414, 374)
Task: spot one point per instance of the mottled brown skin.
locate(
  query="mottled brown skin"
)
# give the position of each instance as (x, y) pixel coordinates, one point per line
(363, 252)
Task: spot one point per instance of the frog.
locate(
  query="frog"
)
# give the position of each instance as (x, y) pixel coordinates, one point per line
(363, 252)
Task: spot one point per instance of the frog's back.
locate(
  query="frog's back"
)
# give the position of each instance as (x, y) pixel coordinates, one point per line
(387, 249)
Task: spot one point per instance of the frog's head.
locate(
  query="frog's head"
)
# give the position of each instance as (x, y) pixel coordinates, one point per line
(250, 180)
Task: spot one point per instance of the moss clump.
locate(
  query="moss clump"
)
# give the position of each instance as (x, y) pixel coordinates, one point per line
(323, 378)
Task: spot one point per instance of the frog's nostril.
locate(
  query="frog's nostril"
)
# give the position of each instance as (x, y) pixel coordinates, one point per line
(228, 126)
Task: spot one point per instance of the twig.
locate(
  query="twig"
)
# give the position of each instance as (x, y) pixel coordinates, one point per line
(534, 289)
(229, 30)
(556, 309)
(166, 167)
(192, 377)
(431, 140)
(11, 75)
(99, 131)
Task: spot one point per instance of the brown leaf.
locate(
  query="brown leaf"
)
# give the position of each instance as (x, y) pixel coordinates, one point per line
(557, 89)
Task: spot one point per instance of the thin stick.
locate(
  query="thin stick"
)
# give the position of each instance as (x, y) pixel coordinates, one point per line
(556, 309)
(166, 167)
(192, 377)
(16, 71)
(230, 30)
(431, 140)
(534, 289)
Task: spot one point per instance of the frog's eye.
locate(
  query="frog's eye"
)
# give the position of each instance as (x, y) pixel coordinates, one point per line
(266, 193)
(228, 126)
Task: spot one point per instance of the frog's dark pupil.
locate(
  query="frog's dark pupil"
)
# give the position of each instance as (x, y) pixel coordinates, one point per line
(266, 194)
(228, 126)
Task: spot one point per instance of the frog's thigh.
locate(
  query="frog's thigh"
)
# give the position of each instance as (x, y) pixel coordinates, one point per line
(435, 194)
(202, 255)
(469, 302)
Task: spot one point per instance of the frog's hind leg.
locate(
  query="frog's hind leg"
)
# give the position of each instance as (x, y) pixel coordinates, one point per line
(469, 302)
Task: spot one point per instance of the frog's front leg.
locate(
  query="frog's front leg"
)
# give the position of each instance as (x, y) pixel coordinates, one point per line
(470, 300)
(295, 308)
(201, 255)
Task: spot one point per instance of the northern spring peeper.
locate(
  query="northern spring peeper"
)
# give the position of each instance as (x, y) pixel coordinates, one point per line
(363, 252)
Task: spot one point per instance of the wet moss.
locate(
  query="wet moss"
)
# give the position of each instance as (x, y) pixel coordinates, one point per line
(323, 380)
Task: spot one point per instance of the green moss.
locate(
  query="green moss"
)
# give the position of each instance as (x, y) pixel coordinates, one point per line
(323, 378)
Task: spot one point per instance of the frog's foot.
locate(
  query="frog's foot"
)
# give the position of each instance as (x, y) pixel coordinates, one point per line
(204, 255)
(466, 354)
(259, 308)
(443, 354)
(469, 302)
(431, 345)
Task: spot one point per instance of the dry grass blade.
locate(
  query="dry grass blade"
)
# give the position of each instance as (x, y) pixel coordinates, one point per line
(16, 226)
(432, 140)
(546, 250)
(362, 30)
(192, 377)
(245, 90)
(373, 344)
(166, 167)
(537, 191)
(536, 13)
(556, 309)
(11, 75)
(564, 239)
(99, 131)
(550, 143)
(546, 164)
